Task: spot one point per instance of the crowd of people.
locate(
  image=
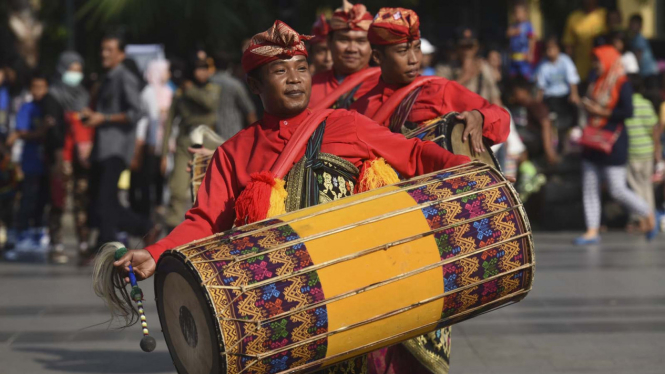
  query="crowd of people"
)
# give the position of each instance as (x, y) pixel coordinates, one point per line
(119, 146)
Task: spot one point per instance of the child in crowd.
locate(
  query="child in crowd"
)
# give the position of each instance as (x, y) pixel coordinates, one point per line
(522, 42)
(557, 81)
(643, 134)
(32, 129)
(537, 135)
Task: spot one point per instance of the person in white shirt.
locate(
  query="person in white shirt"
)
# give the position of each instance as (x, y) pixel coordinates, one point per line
(557, 81)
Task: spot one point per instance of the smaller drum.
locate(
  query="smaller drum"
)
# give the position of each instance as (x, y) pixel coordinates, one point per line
(199, 166)
(202, 137)
(447, 131)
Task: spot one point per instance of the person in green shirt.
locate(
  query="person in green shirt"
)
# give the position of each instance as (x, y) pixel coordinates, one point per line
(643, 131)
(194, 104)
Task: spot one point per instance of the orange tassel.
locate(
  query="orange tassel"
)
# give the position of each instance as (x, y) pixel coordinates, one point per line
(374, 174)
(263, 197)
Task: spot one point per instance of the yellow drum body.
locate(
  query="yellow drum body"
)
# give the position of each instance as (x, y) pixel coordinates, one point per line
(326, 283)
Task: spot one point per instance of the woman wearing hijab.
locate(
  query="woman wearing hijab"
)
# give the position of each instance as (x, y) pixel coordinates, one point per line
(73, 97)
(156, 100)
(605, 142)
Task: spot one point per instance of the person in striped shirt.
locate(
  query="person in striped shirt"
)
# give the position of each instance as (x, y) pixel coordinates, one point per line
(643, 130)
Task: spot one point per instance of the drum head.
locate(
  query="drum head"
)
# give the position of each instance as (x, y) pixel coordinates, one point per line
(186, 318)
(454, 131)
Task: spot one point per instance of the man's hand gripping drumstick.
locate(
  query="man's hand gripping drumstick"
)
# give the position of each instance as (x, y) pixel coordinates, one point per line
(142, 262)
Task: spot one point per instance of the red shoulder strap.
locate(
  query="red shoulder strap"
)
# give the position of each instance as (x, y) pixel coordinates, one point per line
(346, 86)
(397, 97)
(297, 142)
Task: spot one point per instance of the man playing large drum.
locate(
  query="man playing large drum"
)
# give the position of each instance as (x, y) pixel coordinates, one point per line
(395, 39)
(350, 52)
(347, 146)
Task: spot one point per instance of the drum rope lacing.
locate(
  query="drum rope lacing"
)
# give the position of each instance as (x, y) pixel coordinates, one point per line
(344, 228)
(396, 278)
(374, 285)
(375, 343)
(330, 210)
(355, 255)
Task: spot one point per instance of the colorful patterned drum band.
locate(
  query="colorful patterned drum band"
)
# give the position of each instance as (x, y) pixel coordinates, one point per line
(320, 285)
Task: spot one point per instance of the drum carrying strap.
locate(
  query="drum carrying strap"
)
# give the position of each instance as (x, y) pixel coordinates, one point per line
(345, 101)
(402, 112)
(351, 83)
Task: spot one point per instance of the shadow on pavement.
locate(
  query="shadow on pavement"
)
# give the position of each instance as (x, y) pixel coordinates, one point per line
(103, 361)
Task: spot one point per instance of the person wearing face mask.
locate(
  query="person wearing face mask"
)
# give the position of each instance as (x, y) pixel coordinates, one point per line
(72, 162)
(194, 104)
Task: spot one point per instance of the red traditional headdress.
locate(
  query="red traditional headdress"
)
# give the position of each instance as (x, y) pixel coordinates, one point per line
(351, 17)
(394, 26)
(278, 42)
(320, 30)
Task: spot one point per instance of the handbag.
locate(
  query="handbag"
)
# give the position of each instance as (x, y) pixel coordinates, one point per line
(600, 139)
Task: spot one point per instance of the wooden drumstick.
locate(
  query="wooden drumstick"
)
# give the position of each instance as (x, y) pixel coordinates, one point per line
(148, 343)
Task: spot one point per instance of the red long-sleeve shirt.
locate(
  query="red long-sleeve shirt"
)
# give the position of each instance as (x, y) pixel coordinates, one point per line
(439, 97)
(349, 135)
(324, 83)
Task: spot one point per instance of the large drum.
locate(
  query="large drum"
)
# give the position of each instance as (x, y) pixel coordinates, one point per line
(323, 284)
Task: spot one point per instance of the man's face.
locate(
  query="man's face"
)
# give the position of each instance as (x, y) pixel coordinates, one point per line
(38, 88)
(320, 57)
(350, 51)
(201, 74)
(284, 86)
(112, 56)
(400, 63)
(635, 27)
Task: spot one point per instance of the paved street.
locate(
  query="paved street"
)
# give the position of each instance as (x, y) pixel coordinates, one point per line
(599, 309)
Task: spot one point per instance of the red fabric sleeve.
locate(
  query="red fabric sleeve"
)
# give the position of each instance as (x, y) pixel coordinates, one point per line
(213, 210)
(496, 125)
(410, 157)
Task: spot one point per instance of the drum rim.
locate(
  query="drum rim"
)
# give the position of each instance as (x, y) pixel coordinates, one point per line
(210, 313)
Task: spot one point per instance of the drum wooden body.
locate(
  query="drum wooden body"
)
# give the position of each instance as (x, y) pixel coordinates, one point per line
(323, 284)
